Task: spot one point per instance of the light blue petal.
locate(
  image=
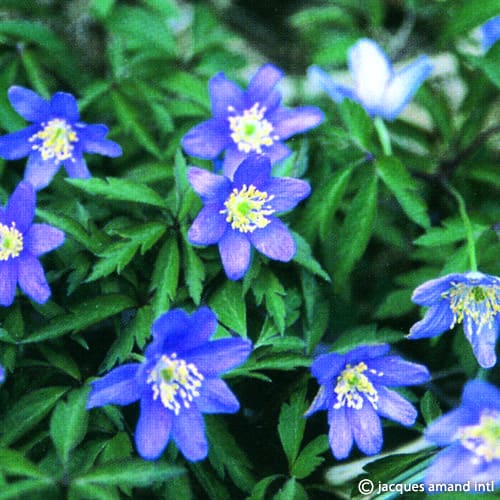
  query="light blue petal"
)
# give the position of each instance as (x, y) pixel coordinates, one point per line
(431, 291)
(32, 278)
(483, 339)
(395, 371)
(287, 192)
(274, 241)
(39, 172)
(42, 238)
(64, 105)
(327, 366)
(394, 407)
(76, 167)
(188, 432)
(288, 122)
(8, 281)
(208, 226)
(29, 104)
(224, 93)
(209, 186)
(262, 83)
(234, 249)
(216, 397)
(437, 319)
(366, 428)
(208, 139)
(479, 394)
(336, 91)
(443, 430)
(16, 145)
(490, 33)
(319, 402)
(340, 433)
(21, 207)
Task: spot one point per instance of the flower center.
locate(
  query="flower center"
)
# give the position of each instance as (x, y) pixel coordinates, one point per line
(54, 140)
(246, 209)
(483, 439)
(175, 382)
(11, 242)
(251, 131)
(352, 385)
(479, 302)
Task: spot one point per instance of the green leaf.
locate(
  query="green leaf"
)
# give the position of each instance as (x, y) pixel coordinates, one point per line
(187, 85)
(194, 272)
(397, 303)
(62, 360)
(214, 489)
(229, 305)
(115, 258)
(34, 72)
(404, 188)
(82, 315)
(14, 463)
(309, 458)
(368, 335)
(20, 489)
(68, 424)
(165, 277)
(269, 287)
(101, 8)
(94, 491)
(292, 490)
(429, 407)
(452, 232)
(114, 188)
(358, 123)
(259, 490)
(184, 193)
(27, 412)
(305, 258)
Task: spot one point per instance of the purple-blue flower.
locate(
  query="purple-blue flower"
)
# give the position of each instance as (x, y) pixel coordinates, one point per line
(178, 382)
(471, 437)
(56, 136)
(473, 299)
(251, 121)
(490, 33)
(355, 392)
(380, 89)
(2, 374)
(241, 213)
(21, 244)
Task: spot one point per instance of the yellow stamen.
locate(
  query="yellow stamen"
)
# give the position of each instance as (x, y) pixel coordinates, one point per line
(483, 439)
(55, 140)
(353, 386)
(11, 241)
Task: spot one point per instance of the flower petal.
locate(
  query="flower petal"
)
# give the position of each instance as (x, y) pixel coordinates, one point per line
(188, 432)
(28, 104)
(288, 122)
(403, 85)
(366, 428)
(21, 207)
(32, 279)
(320, 402)
(443, 430)
(216, 397)
(394, 371)
(274, 241)
(327, 366)
(365, 353)
(256, 170)
(209, 186)
(340, 433)
(287, 192)
(42, 238)
(8, 281)
(39, 172)
(76, 167)
(64, 105)
(490, 396)
(263, 82)
(431, 291)
(16, 145)
(232, 159)
(208, 227)
(437, 320)
(153, 428)
(234, 249)
(336, 92)
(170, 324)
(371, 70)
(394, 407)
(490, 33)
(92, 141)
(207, 139)
(224, 93)
(118, 387)
(277, 152)
(483, 339)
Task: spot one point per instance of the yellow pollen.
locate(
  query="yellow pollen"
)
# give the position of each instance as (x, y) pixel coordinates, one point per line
(55, 140)
(483, 439)
(175, 382)
(251, 131)
(11, 241)
(247, 208)
(353, 386)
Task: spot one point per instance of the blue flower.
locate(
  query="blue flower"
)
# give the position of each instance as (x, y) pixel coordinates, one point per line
(490, 33)
(354, 391)
(2, 374)
(471, 437)
(472, 299)
(176, 384)
(377, 87)
(240, 213)
(250, 121)
(21, 243)
(56, 136)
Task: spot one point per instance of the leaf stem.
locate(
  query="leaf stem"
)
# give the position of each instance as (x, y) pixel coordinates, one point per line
(383, 135)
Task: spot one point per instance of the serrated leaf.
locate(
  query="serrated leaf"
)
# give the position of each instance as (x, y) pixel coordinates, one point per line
(268, 287)
(429, 406)
(309, 458)
(292, 490)
(229, 305)
(184, 194)
(194, 272)
(368, 335)
(404, 188)
(118, 255)
(61, 360)
(165, 276)
(305, 258)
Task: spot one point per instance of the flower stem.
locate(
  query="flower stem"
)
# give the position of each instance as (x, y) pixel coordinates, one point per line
(383, 135)
(468, 226)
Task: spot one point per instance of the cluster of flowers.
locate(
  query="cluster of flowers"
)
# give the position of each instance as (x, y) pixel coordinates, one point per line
(179, 379)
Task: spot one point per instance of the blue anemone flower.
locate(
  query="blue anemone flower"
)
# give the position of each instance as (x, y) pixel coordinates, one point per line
(354, 390)
(2, 374)
(178, 382)
(240, 213)
(471, 437)
(473, 299)
(56, 136)
(490, 33)
(377, 87)
(251, 121)
(21, 244)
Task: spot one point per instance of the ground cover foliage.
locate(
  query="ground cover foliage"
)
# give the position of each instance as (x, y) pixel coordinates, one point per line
(393, 205)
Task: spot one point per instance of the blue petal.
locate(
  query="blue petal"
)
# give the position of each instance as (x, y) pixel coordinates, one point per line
(256, 170)
(42, 238)
(21, 207)
(340, 433)
(216, 397)
(483, 339)
(208, 227)
(188, 432)
(209, 186)
(437, 319)
(431, 291)
(76, 167)
(364, 353)
(287, 192)
(153, 428)
(320, 402)
(391, 405)
(232, 159)
(207, 139)
(32, 279)
(263, 82)
(288, 122)
(64, 105)
(40, 172)
(2, 374)
(327, 366)
(274, 241)
(225, 93)
(336, 92)
(92, 140)
(443, 430)
(171, 324)
(234, 249)
(8, 281)
(366, 428)
(219, 356)
(479, 395)
(16, 145)
(490, 33)
(118, 387)
(277, 152)
(394, 371)
(403, 85)
(29, 104)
